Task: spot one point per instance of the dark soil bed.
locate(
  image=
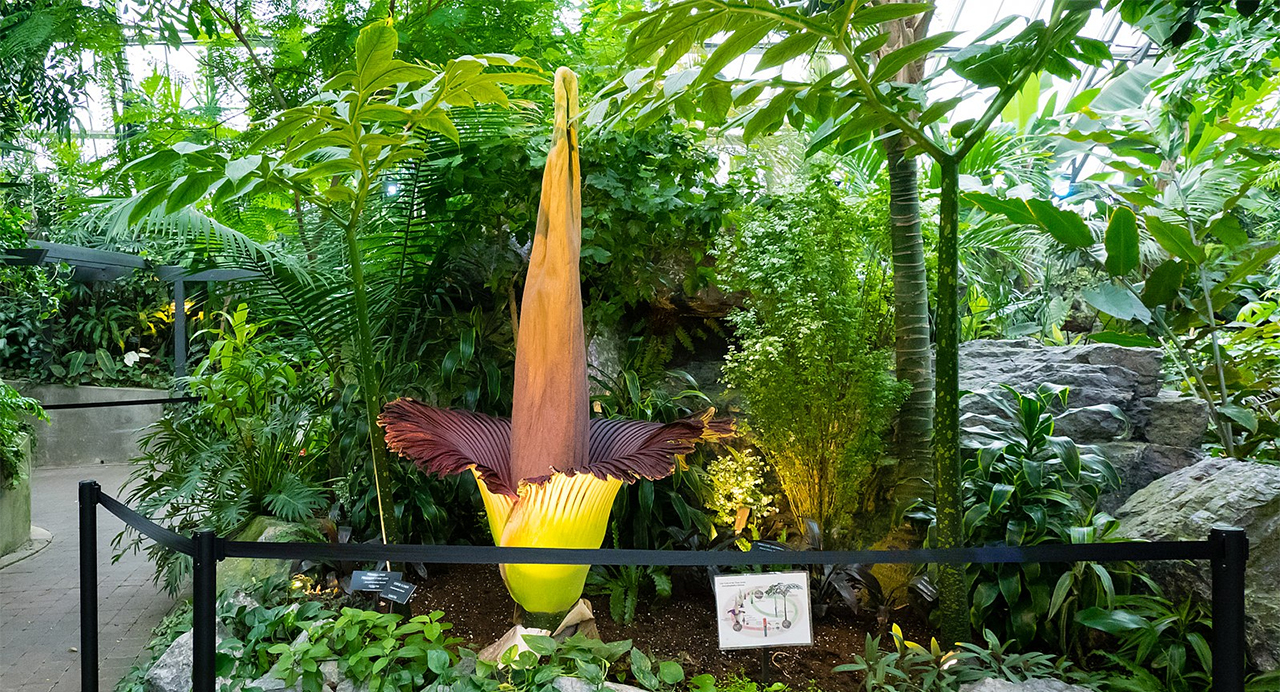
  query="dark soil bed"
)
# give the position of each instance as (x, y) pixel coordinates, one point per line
(681, 629)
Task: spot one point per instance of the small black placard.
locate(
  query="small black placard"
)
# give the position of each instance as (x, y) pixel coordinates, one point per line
(362, 580)
(398, 591)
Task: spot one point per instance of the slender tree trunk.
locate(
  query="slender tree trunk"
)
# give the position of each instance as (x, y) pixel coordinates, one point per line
(952, 588)
(911, 309)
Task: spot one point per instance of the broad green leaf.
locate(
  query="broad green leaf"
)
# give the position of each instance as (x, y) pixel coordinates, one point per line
(375, 48)
(1110, 621)
(717, 99)
(870, 15)
(1162, 286)
(1175, 239)
(1228, 230)
(1244, 416)
(767, 119)
(1060, 592)
(1123, 339)
(891, 64)
(786, 49)
(1010, 581)
(541, 645)
(185, 148)
(1122, 242)
(742, 40)
(670, 672)
(397, 72)
(871, 45)
(1117, 301)
(152, 162)
(188, 190)
(1024, 619)
(1065, 226)
(239, 168)
(1000, 494)
(986, 65)
(1014, 209)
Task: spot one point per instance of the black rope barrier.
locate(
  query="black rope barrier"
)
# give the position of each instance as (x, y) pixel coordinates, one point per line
(493, 555)
(1227, 549)
(112, 404)
(146, 527)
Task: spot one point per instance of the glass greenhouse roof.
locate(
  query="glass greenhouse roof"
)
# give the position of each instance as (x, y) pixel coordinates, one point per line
(173, 75)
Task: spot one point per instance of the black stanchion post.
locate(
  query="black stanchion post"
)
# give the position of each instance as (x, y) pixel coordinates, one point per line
(204, 588)
(89, 585)
(1231, 552)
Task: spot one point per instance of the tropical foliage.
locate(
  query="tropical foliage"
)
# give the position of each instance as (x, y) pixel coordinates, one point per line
(790, 212)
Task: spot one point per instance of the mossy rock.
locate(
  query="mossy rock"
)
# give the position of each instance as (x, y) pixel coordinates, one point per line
(244, 572)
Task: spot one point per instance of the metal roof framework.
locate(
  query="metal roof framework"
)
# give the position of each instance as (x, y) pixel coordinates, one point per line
(91, 264)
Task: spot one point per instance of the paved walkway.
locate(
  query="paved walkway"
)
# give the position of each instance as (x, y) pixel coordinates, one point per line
(40, 596)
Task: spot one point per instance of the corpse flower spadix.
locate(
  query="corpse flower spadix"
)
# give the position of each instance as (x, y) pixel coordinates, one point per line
(549, 475)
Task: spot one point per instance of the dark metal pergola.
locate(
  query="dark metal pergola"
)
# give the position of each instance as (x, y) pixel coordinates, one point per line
(90, 264)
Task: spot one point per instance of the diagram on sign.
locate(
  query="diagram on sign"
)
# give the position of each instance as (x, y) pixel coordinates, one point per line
(763, 610)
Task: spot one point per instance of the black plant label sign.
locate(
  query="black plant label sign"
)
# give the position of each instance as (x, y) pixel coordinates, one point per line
(398, 591)
(362, 580)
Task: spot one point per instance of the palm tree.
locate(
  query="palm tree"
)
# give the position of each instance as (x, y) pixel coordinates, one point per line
(910, 281)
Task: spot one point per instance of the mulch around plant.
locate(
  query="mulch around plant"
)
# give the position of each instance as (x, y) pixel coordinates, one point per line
(682, 628)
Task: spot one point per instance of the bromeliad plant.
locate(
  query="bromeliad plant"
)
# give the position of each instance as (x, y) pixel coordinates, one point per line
(548, 476)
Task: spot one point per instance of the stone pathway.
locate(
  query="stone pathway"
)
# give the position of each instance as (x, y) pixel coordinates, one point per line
(40, 596)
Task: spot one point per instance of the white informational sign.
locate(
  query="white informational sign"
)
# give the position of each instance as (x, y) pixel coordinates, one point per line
(764, 610)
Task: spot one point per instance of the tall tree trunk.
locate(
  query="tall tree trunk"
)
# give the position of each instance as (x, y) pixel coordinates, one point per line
(911, 309)
(910, 281)
(952, 589)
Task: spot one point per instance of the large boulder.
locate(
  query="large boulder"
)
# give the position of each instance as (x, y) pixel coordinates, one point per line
(1096, 374)
(1160, 431)
(1140, 463)
(172, 671)
(243, 572)
(1186, 504)
(1176, 420)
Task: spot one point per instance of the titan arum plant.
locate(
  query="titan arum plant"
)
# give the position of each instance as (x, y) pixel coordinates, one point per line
(549, 475)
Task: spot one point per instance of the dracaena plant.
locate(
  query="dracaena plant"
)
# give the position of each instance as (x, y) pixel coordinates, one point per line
(549, 475)
(332, 153)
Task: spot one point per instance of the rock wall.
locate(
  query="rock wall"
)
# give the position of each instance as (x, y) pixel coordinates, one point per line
(1162, 431)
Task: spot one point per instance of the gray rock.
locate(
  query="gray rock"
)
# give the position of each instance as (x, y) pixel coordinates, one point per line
(567, 684)
(345, 685)
(604, 354)
(241, 572)
(240, 599)
(1038, 685)
(332, 676)
(172, 671)
(1165, 428)
(1186, 504)
(1091, 424)
(1176, 420)
(1096, 374)
(1138, 464)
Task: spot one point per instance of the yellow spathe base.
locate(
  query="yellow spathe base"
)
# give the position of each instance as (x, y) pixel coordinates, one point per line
(564, 512)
